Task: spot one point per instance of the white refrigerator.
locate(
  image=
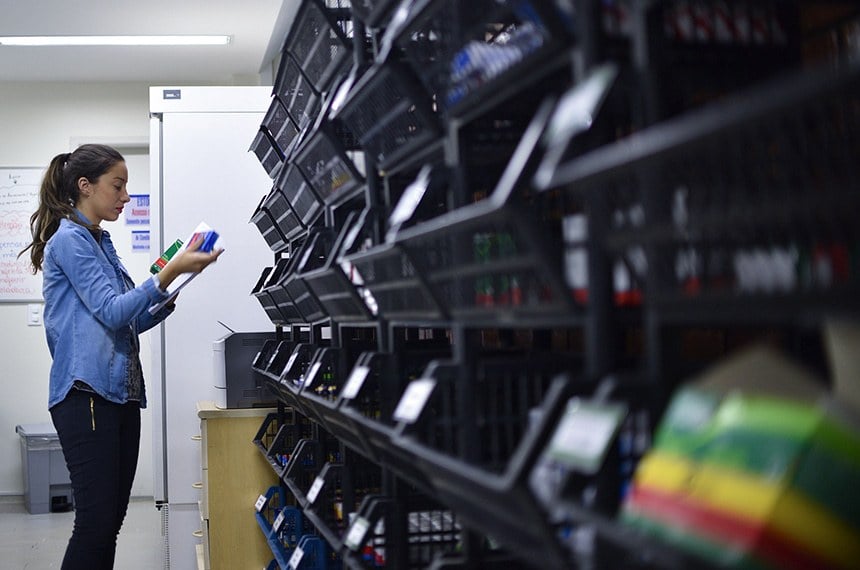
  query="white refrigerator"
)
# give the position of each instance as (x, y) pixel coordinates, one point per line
(201, 171)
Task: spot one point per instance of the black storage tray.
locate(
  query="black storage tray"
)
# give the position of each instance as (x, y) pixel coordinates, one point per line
(295, 428)
(321, 383)
(276, 221)
(465, 52)
(307, 462)
(318, 42)
(285, 218)
(390, 114)
(267, 226)
(415, 527)
(370, 410)
(343, 489)
(271, 370)
(266, 433)
(296, 93)
(303, 200)
(338, 289)
(262, 292)
(280, 128)
(303, 298)
(323, 160)
(489, 492)
(267, 153)
(397, 289)
(278, 295)
(748, 205)
(373, 13)
(293, 375)
(494, 260)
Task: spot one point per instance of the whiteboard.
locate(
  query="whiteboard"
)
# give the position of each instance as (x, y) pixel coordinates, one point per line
(19, 198)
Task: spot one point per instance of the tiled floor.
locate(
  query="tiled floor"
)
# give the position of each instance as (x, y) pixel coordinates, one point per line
(37, 542)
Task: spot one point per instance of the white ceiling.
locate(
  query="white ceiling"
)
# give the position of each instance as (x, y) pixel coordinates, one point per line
(251, 23)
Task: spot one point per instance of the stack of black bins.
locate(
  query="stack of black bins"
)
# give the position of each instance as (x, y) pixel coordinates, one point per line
(261, 293)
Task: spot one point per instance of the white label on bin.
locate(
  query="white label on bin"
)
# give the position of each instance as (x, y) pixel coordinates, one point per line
(291, 361)
(414, 399)
(355, 536)
(261, 502)
(279, 520)
(296, 558)
(584, 433)
(312, 374)
(355, 382)
(315, 489)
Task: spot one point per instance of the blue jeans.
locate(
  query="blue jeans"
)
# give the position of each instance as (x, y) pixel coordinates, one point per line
(100, 442)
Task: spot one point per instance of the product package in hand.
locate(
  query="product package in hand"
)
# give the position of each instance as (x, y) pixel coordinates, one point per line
(211, 241)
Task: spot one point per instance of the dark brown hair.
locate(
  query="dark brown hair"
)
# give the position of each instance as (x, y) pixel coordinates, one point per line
(59, 193)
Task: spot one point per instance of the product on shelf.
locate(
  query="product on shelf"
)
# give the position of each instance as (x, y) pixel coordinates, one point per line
(754, 466)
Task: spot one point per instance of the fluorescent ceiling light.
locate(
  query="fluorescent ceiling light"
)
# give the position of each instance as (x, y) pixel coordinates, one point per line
(114, 40)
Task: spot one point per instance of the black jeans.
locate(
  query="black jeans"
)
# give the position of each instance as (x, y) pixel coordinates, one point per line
(100, 442)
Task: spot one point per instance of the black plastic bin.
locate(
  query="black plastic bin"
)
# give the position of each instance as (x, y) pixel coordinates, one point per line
(319, 42)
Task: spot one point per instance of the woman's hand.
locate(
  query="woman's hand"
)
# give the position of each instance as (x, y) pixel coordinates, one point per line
(189, 260)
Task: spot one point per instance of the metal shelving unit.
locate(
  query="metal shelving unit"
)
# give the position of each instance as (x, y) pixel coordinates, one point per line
(501, 210)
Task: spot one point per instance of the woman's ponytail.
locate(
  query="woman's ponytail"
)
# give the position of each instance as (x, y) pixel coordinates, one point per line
(59, 193)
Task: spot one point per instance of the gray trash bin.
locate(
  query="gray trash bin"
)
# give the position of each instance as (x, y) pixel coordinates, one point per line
(46, 479)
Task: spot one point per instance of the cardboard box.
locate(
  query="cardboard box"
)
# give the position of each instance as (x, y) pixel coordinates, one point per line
(755, 465)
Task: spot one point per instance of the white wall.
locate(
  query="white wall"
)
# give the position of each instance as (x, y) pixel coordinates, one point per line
(38, 121)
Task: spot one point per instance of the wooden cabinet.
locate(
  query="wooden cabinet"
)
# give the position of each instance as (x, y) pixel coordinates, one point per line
(234, 474)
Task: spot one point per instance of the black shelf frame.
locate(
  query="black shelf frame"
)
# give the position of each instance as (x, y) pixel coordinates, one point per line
(432, 455)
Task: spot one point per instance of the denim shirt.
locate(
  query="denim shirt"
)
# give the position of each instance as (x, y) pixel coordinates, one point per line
(90, 314)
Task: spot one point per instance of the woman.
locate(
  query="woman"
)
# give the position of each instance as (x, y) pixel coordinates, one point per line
(93, 315)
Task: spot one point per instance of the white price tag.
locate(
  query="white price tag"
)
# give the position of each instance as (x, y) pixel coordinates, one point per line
(279, 520)
(312, 374)
(261, 502)
(296, 558)
(414, 399)
(355, 382)
(356, 533)
(584, 433)
(315, 489)
(291, 361)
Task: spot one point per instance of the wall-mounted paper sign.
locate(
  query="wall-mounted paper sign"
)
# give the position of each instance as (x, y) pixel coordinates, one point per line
(140, 240)
(137, 211)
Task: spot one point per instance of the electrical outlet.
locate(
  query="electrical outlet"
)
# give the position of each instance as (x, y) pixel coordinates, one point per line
(34, 315)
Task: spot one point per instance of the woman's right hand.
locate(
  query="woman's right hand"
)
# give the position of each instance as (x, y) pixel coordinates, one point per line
(189, 260)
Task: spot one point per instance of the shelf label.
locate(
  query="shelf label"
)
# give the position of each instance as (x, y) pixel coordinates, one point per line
(584, 434)
(355, 382)
(315, 489)
(296, 558)
(414, 399)
(279, 520)
(312, 374)
(357, 532)
(291, 361)
(261, 502)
